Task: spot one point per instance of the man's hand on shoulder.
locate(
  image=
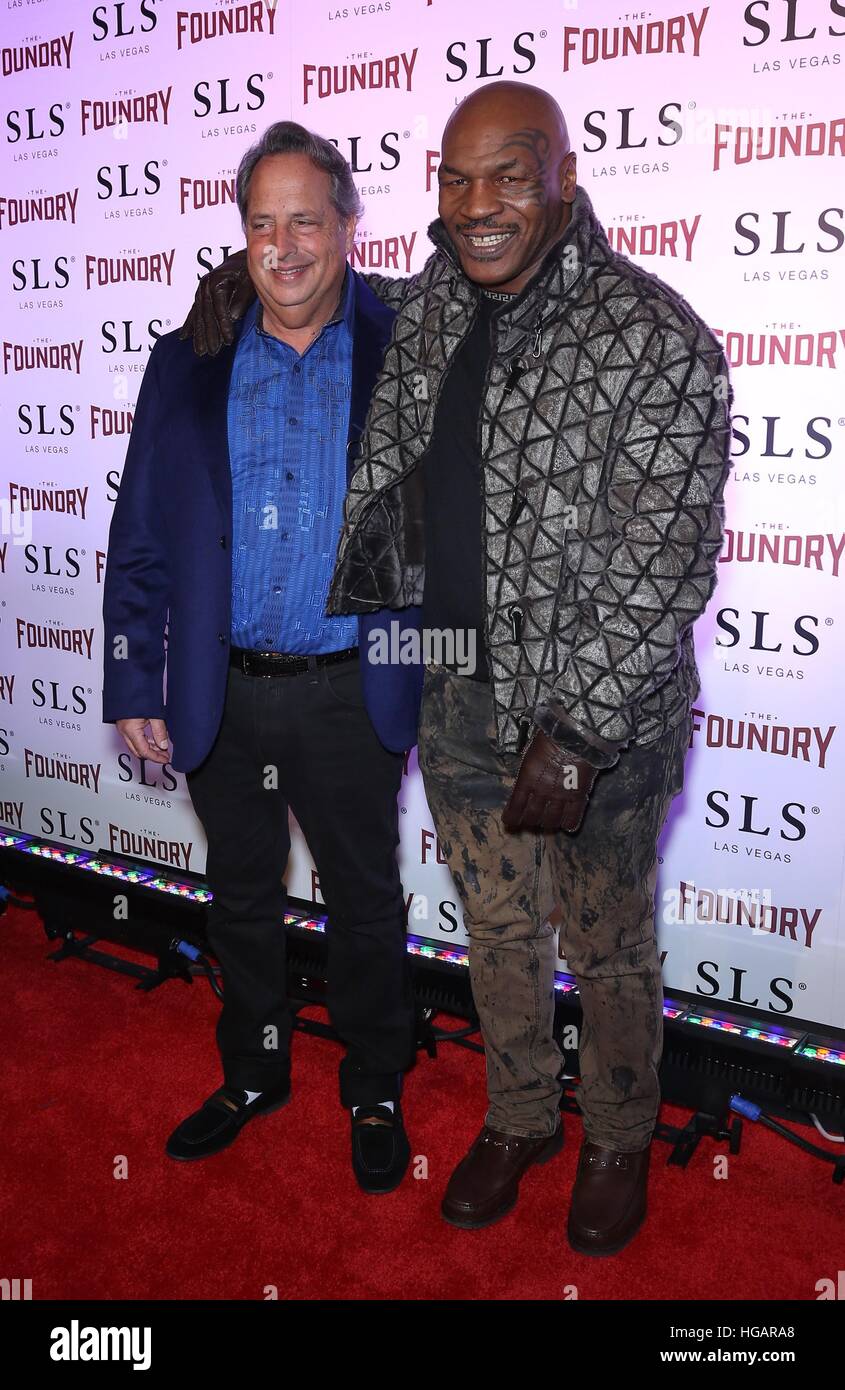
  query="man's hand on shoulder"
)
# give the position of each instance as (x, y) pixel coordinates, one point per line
(223, 295)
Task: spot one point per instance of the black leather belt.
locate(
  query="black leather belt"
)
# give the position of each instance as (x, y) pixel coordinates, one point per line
(254, 663)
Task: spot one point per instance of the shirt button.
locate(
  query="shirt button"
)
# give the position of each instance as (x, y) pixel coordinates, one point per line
(289, 476)
(297, 367)
(277, 590)
(293, 420)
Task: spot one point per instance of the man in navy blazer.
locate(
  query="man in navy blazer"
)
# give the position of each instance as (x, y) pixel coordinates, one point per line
(224, 532)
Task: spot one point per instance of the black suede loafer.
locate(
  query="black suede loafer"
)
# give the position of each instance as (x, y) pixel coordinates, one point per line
(219, 1121)
(380, 1148)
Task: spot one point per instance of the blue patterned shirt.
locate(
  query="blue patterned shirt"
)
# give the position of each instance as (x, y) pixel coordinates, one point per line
(288, 418)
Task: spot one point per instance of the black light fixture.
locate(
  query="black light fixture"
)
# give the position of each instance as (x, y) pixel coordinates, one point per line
(713, 1052)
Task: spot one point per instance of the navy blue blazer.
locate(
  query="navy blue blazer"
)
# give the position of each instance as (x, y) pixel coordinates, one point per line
(169, 550)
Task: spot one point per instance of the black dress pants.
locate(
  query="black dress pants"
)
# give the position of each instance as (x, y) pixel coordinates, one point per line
(306, 742)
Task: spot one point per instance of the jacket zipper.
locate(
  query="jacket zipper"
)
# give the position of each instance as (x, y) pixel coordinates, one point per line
(479, 445)
(515, 611)
(400, 477)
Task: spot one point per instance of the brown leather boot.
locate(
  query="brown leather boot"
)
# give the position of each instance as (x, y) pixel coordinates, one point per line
(485, 1185)
(608, 1199)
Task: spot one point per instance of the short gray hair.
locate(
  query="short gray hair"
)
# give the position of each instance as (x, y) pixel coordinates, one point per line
(287, 137)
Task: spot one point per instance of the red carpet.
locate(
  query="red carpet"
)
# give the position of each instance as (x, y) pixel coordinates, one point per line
(94, 1070)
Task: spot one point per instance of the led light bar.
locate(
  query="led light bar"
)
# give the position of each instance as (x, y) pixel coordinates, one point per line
(776, 1039)
(159, 881)
(178, 889)
(122, 871)
(708, 1021)
(821, 1054)
(10, 840)
(55, 853)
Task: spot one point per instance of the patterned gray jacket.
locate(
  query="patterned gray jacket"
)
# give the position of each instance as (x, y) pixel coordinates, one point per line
(604, 438)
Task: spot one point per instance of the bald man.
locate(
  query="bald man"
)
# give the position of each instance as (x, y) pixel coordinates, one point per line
(543, 469)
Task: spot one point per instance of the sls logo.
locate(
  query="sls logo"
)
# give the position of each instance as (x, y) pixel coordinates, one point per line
(670, 130)
(77, 1343)
(791, 25)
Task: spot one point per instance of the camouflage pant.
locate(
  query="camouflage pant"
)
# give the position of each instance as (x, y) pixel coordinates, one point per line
(602, 878)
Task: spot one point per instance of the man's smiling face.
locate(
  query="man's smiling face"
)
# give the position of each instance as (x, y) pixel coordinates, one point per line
(296, 244)
(505, 193)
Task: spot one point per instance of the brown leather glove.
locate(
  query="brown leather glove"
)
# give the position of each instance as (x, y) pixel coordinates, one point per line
(222, 296)
(544, 797)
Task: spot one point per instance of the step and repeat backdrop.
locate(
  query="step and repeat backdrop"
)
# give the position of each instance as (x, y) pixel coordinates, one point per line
(711, 142)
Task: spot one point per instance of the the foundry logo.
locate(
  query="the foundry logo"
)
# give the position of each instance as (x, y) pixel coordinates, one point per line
(197, 194)
(154, 268)
(151, 109)
(743, 144)
(106, 422)
(807, 743)
(148, 844)
(36, 126)
(431, 850)
(631, 130)
(789, 233)
(44, 53)
(54, 501)
(46, 207)
(195, 26)
(81, 1343)
(226, 102)
(821, 552)
(744, 908)
(385, 254)
(53, 637)
(787, 349)
(679, 35)
(370, 74)
(635, 237)
(42, 356)
(49, 769)
(490, 64)
(762, 631)
(798, 22)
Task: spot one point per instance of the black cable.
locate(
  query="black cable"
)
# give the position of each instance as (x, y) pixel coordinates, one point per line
(755, 1113)
(448, 1035)
(193, 953)
(7, 896)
